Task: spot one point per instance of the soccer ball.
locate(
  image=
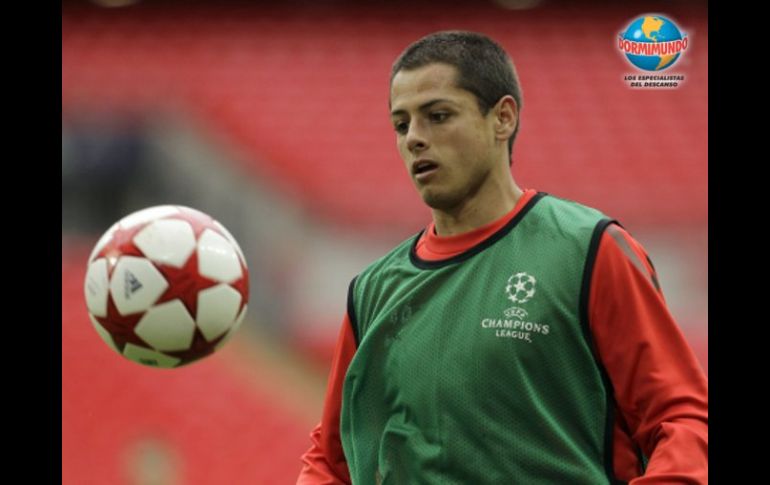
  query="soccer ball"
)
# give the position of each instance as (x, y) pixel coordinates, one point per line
(166, 286)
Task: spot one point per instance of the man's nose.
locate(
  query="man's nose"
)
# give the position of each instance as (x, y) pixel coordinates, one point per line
(416, 137)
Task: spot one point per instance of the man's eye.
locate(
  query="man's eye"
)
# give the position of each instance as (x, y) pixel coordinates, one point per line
(439, 116)
(401, 127)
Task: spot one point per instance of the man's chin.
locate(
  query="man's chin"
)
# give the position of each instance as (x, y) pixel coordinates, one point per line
(437, 200)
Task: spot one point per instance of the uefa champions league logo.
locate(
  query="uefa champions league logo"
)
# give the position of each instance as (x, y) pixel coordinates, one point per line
(521, 287)
(516, 324)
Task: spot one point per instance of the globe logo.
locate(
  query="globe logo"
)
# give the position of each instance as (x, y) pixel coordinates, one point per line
(652, 43)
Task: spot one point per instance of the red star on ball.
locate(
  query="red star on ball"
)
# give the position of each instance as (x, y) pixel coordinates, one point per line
(184, 283)
(121, 327)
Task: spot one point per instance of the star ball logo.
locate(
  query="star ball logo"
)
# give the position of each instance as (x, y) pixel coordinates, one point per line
(653, 43)
(521, 287)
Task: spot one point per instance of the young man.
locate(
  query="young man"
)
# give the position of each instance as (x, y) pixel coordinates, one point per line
(520, 338)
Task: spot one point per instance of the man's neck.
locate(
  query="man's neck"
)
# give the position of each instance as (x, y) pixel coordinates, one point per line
(487, 207)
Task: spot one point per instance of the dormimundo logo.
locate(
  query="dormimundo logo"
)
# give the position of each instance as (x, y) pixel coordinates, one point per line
(653, 43)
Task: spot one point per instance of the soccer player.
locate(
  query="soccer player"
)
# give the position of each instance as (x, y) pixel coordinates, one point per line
(521, 337)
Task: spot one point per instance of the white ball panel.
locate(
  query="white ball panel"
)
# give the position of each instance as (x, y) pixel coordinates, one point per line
(104, 334)
(217, 259)
(217, 309)
(167, 327)
(167, 241)
(97, 287)
(147, 215)
(149, 357)
(239, 320)
(232, 331)
(232, 241)
(103, 241)
(136, 284)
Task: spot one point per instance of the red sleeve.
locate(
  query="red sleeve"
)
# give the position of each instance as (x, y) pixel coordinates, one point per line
(324, 463)
(660, 388)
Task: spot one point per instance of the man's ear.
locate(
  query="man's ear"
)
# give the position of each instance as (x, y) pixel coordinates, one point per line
(506, 117)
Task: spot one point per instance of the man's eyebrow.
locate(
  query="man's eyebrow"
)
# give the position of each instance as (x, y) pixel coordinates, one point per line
(422, 107)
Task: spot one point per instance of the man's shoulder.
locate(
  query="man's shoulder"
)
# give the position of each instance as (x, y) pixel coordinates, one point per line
(564, 203)
(397, 255)
(564, 211)
(567, 220)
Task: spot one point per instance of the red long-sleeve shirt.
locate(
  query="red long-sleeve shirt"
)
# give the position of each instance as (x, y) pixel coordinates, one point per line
(660, 389)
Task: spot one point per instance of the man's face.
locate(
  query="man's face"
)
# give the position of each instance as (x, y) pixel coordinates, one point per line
(448, 147)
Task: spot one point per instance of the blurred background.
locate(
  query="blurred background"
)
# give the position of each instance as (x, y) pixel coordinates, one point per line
(273, 118)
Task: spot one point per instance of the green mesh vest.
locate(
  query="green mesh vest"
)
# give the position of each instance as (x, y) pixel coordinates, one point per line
(479, 369)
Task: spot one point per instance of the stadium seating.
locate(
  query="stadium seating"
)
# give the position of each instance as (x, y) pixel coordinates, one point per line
(304, 94)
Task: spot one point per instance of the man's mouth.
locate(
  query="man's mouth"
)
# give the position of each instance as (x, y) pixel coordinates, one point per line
(421, 167)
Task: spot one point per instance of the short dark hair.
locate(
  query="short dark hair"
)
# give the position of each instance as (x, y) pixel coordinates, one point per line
(484, 68)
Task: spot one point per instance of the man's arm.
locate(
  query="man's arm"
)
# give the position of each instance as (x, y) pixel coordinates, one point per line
(659, 386)
(324, 463)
